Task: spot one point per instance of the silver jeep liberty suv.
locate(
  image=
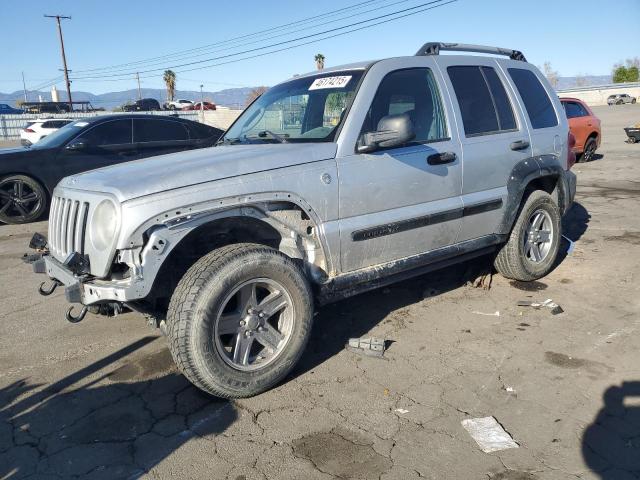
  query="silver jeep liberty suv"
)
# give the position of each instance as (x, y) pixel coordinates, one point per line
(329, 184)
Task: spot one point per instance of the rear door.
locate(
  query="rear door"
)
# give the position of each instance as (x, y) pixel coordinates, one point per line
(157, 136)
(580, 123)
(494, 137)
(545, 116)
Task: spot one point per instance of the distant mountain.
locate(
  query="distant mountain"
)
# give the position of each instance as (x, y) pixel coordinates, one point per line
(565, 83)
(231, 97)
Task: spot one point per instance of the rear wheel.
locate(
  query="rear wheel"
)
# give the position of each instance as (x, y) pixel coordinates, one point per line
(532, 248)
(632, 140)
(633, 101)
(239, 320)
(589, 150)
(22, 199)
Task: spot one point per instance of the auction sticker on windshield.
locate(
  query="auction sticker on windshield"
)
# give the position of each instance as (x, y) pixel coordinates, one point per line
(330, 82)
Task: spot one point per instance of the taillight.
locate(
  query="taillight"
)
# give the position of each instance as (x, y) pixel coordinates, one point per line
(571, 155)
(28, 130)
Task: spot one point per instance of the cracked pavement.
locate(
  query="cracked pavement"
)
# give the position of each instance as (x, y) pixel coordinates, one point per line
(102, 399)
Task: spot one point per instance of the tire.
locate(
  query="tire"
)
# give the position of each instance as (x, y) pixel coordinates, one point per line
(514, 258)
(620, 102)
(632, 140)
(589, 150)
(212, 359)
(22, 199)
(633, 101)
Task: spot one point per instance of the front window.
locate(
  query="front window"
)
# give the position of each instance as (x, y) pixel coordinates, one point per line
(308, 109)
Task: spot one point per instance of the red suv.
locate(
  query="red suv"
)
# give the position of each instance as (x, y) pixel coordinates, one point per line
(585, 127)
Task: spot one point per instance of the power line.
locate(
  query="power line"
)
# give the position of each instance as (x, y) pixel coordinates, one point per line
(413, 11)
(241, 37)
(243, 43)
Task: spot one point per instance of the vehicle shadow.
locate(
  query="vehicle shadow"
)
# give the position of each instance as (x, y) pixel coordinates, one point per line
(574, 225)
(335, 323)
(611, 443)
(118, 425)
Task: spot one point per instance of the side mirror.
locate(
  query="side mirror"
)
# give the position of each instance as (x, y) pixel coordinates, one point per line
(392, 131)
(78, 144)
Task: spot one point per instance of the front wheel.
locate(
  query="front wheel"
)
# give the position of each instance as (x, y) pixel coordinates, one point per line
(633, 101)
(532, 248)
(239, 320)
(22, 199)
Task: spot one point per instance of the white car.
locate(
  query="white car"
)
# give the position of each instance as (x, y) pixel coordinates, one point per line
(37, 129)
(178, 104)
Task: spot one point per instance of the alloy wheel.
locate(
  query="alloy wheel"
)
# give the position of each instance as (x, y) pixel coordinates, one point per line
(538, 236)
(254, 324)
(18, 200)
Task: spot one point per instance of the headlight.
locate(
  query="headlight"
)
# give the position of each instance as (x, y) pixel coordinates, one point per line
(104, 224)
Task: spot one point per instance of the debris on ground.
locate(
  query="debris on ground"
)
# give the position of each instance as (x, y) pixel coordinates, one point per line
(401, 411)
(572, 244)
(488, 434)
(482, 275)
(371, 346)
(548, 303)
(494, 314)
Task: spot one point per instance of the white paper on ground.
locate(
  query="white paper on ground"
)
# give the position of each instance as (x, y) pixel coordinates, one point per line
(488, 434)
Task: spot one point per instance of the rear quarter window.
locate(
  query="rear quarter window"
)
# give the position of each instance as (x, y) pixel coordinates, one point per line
(536, 100)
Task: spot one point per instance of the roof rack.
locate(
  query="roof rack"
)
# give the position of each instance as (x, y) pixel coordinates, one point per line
(433, 48)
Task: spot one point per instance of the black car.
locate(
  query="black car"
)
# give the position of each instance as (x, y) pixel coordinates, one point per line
(29, 175)
(143, 105)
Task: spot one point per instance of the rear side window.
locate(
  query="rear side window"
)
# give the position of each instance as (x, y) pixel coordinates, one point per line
(535, 98)
(201, 131)
(574, 110)
(483, 101)
(158, 131)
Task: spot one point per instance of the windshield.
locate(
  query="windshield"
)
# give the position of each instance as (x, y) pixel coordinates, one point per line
(308, 109)
(62, 135)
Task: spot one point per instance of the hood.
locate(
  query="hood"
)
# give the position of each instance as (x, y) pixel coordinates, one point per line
(167, 172)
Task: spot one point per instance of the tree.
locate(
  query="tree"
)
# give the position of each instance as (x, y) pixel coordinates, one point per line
(253, 94)
(622, 74)
(551, 74)
(169, 78)
(319, 58)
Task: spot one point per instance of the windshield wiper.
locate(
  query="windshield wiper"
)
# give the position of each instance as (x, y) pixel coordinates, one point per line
(268, 133)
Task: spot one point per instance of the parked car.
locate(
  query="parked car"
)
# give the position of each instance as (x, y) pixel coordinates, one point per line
(35, 130)
(620, 98)
(201, 106)
(28, 176)
(142, 105)
(9, 110)
(178, 104)
(432, 160)
(585, 127)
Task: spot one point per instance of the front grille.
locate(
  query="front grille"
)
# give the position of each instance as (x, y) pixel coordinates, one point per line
(67, 225)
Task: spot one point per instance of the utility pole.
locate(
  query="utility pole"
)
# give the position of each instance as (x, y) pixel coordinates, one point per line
(138, 78)
(201, 103)
(24, 88)
(64, 58)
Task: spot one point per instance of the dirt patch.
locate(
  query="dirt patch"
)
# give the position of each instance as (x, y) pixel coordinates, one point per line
(628, 237)
(144, 368)
(565, 361)
(342, 458)
(566, 280)
(528, 286)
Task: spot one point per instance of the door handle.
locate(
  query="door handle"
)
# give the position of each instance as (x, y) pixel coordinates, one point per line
(519, 145)
(441, 158)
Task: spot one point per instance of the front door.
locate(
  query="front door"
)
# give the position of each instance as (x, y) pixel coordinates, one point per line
(405, 200)
(107, 143)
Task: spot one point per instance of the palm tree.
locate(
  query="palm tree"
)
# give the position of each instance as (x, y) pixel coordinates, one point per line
(319, 61)
(169, 78)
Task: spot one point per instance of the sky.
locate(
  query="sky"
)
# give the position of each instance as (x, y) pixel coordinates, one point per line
(578, 37)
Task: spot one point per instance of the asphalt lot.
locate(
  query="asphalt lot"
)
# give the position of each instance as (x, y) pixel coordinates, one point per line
(101, 399)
